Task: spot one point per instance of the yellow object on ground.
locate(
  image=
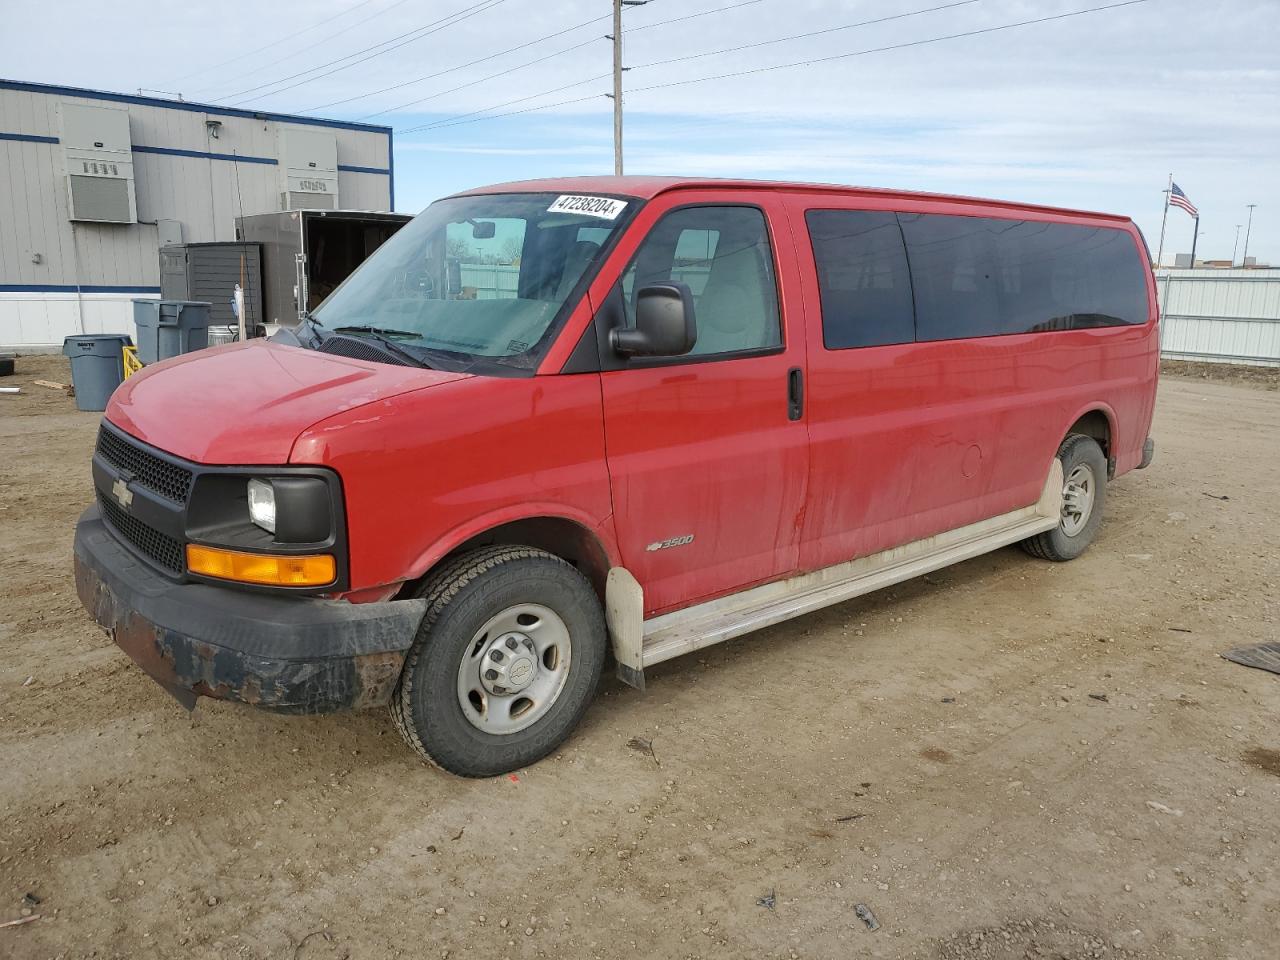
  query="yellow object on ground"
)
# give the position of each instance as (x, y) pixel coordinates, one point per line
(131, 362)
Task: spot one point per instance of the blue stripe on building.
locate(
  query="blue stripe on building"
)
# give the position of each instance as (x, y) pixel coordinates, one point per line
(188, 106)
(203, 155)
(70, 288)
(211, 110)
(198, 154)
(28, 137)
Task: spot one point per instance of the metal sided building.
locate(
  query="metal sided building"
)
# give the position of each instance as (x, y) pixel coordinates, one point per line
(92, 184)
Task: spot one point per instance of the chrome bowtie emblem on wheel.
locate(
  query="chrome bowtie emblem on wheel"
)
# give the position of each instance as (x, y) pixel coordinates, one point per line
(120, 490)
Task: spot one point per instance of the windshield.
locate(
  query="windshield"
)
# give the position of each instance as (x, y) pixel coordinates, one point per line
(481, 276)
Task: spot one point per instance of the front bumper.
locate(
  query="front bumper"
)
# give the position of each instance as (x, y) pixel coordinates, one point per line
(290, 654)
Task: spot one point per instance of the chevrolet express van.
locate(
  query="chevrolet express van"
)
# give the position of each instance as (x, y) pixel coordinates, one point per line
(557, 422)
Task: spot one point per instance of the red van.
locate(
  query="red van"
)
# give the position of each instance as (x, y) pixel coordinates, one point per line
(554, 421)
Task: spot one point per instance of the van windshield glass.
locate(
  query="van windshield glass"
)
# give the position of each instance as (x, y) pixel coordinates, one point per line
(476, 277)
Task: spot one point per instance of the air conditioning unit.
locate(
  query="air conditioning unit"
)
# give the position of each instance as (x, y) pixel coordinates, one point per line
(98, 155)
(309, 167)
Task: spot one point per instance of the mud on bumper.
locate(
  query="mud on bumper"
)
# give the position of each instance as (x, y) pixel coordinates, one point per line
(287, 654)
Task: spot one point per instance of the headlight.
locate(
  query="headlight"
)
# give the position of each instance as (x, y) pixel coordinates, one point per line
(262, 504)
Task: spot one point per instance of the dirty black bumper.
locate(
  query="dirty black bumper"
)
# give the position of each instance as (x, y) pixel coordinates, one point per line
(290, 654)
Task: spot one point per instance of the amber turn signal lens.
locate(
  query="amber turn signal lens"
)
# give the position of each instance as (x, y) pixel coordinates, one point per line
(312, 570)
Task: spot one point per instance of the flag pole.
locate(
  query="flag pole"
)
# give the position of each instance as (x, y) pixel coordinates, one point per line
(1164, 219)
(1194, 237)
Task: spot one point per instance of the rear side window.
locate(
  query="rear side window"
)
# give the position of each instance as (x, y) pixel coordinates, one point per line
(863, 280)
(981, 277)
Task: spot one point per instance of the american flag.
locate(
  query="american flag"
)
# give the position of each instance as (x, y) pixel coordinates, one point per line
(1179, 199)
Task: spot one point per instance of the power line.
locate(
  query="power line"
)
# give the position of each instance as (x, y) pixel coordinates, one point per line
(394, 43)
(577, 83)
(311, 46)
(803, 36)
(461, 66)
(894, 46)
(276, 43)
(493, 56)
(469, 118)
(492, 76)
(511, 113)
(449, 122)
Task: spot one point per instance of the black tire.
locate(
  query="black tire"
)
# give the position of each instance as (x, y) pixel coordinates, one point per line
(461, 598)
(1057, 544)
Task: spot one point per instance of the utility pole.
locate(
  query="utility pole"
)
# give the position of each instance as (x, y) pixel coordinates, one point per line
(1235, 247)
(1247, 230)
(617, 88)
(1163, 220)
(618, 68)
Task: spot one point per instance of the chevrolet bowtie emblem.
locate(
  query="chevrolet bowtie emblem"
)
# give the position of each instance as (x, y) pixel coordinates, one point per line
(120, 490)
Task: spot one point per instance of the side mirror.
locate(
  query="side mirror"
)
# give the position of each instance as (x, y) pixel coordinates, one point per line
(665, 325)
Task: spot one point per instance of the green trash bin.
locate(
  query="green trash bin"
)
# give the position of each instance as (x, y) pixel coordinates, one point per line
(170, 328)
(97, 366)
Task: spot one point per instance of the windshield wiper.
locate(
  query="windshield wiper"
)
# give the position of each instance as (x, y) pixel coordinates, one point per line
(380, 335)
(384, 331)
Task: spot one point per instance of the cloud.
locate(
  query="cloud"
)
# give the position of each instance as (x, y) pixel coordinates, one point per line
(1091, 111)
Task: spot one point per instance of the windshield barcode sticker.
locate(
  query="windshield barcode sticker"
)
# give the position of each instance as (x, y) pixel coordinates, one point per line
(605, 208)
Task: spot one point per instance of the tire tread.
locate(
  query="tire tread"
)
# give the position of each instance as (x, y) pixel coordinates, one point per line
(1043, 546)
(439, 590)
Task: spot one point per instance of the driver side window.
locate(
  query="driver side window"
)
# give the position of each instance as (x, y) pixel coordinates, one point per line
(723, 255)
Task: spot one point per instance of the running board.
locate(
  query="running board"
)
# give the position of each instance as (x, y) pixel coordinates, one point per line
(683, 631)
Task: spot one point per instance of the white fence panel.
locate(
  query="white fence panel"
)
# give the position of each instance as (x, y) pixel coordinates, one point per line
(1223, 316)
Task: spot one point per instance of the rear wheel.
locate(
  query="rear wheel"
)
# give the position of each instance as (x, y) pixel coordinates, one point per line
(505, 663)
(1084, 491)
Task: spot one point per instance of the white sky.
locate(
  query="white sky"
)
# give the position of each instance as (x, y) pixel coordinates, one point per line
(1093, 111)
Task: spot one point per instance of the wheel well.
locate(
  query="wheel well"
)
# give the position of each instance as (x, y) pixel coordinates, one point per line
(1096, 425)
(566, 539)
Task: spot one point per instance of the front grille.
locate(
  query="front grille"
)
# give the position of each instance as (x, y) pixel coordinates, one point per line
(359, 348)
(167, 479)
(151, 543)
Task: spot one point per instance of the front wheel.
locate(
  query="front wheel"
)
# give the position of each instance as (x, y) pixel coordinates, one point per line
(505, 663)
(1084, 490)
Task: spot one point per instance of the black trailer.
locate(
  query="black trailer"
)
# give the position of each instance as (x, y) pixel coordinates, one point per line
(307, 253)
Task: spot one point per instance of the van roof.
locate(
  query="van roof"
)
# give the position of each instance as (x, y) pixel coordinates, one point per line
(646, 188)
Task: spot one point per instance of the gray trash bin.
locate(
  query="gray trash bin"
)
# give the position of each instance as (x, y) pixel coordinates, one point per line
(97, 366)
(170, 328)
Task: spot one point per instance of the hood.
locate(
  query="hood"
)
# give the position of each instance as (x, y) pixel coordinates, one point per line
(246, 403)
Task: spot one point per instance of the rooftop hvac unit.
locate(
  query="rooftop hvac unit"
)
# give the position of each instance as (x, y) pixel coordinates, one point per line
(309, 167)
(98, 155)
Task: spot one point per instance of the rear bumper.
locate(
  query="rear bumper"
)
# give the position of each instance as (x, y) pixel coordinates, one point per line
(290, 654)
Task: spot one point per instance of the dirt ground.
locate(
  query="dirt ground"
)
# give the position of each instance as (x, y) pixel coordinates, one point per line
(1006, 759)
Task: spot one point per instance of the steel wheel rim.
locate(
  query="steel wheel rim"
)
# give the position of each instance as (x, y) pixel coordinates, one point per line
(514, 669)
(1078, 493)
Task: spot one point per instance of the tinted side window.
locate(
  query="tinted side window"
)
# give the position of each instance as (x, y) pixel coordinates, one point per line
(723, 254)
(954, 275)
(863, 281)
(979, 277)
